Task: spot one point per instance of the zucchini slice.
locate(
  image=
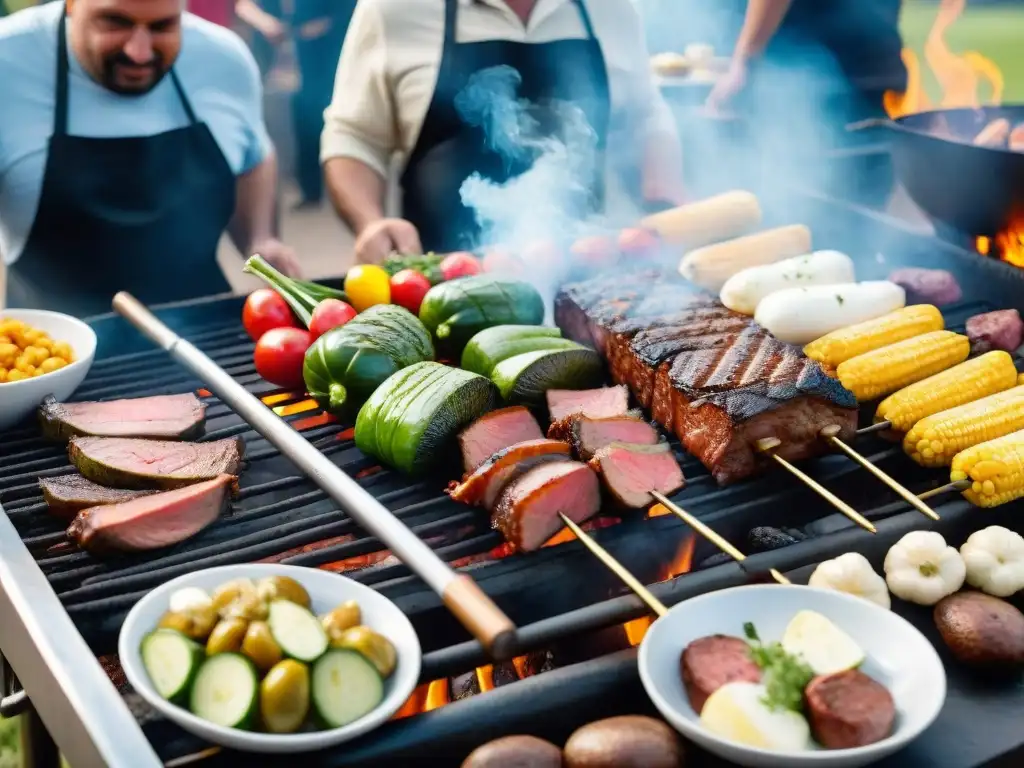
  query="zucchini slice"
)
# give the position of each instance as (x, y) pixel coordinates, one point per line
(523, 379)
(299, 633)
(345, 686)
(226, 691)
(171, 661)
(493, 345)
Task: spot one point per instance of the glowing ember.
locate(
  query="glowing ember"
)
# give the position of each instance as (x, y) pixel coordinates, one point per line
(309, 422)
(280, 397)
(300, 407)
(355, 563)
(485, 678)
(437, 695)
(204, 393)
(367, 472)
(684, 558)
(636, 629)
(414, 704)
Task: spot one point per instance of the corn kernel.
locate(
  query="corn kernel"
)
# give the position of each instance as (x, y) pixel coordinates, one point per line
(51, 364)
(16, 376)
(898, 365)
(995, 470)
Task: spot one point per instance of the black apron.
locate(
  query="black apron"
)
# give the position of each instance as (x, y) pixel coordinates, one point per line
(449, 150)
(141, 214)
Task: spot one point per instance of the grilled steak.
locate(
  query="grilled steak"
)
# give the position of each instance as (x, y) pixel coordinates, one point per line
(599, 403)
(486, 482)
(527, 510)
(588, 436)
(67, 495)
(494, 431)
(153, 521)
(631, 472)
(166, 417)
(121, 462)
(710, 662)
(712, 376)
(849, 709)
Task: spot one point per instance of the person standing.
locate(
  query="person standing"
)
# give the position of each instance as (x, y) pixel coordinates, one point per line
(131, 139)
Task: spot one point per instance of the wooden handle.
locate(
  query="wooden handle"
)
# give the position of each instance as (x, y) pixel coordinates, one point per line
(135, 312)
(478, 613)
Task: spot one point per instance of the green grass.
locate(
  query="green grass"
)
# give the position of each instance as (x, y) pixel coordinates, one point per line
(995, 31)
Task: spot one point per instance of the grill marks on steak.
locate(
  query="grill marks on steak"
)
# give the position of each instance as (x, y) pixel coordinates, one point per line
(484, 484)
(164, 417)
(69, 494)
(631, 472)
(495, 431)
(152, 521)
(712, 376)
(153, 464)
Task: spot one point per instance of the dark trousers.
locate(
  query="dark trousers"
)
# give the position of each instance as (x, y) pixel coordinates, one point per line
(318, 61)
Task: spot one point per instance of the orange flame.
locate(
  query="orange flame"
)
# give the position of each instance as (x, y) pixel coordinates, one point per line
(300, 407)
(437, 695)
(280, 397)
(1008, 245)
(485, 678)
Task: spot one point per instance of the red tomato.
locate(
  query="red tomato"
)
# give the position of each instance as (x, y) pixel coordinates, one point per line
(460, 264)
(502, 263)
(595, 251)
(265, 310)
(642, 243)
(408, 288)
(279, 354)
(329, 313)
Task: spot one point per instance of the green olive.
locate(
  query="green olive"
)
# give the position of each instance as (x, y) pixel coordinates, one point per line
(345, 616)
(226, 636)
(282, 588)
(229, 592)
(284, 696)
(259, 645)
(376, 648)
(196, 623)
(246, 606)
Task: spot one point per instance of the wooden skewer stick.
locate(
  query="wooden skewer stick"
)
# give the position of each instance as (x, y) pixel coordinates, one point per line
(616, 567)
(767, 446)
(710, 535)
(830, 435)
(960, 485)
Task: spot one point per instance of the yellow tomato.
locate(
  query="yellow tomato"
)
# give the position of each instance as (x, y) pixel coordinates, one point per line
(367, 285)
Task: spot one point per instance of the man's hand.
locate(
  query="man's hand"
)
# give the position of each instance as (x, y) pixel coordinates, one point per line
(378, 240)
(280, 256)
(731, 84)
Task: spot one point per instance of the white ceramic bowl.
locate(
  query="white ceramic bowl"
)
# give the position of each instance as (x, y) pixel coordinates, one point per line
(326, 591)
(898, 656)
(19, 398)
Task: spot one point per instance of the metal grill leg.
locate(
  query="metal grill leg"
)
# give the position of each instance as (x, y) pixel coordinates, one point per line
(38, 749)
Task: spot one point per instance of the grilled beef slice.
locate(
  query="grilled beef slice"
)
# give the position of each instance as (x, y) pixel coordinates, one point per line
(527, 512)
(495, 431)
(67, 495)
(631, 472)
(120, 462)
(588, 435)
(165, 417)
(712, 376)
(599, 403)
(484, 484)
(153, 521)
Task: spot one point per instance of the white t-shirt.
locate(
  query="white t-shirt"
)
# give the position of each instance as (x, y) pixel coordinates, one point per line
(215, 68)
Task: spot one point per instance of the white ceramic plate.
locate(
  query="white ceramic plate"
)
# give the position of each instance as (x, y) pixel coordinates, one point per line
(898, 656)
(326, 591)
(19, 398)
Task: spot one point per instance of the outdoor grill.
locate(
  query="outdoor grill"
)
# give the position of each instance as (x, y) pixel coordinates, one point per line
(576, 625)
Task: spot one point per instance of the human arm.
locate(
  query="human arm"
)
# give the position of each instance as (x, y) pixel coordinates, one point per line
(264, 23)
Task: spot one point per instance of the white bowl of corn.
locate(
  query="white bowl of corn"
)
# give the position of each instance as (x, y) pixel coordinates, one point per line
(41, 353)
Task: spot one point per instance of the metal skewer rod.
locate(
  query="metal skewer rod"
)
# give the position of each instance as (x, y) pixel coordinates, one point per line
(960, 485)
(616, 567)
(767, 446)
(879, 426)
(711, 535)
(463, 596)
(830, 435)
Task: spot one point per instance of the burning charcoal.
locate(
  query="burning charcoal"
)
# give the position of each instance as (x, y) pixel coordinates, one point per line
(534, 663)
(765, 538)
(504, 674)
(464, 686)
(716, 559)
(929, 286)
(1002, 329)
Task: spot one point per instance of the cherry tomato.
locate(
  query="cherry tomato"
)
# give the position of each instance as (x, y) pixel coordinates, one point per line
(460, 264)
(265, 310)
(502, 263)
(595, 251)
(408, 288)
(279, 355)
(329, 313)
(642, 243)
(367, 285)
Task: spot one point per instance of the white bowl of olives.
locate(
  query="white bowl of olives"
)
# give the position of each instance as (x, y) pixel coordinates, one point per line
(270, 658)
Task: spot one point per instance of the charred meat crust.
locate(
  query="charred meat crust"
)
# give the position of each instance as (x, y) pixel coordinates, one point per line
(67, 495)
(137, 464)
(486, 481)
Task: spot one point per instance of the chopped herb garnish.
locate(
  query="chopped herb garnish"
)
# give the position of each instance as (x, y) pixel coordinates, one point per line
(840, 299)
(784, 676)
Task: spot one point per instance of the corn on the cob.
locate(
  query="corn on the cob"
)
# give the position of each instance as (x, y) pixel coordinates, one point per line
(995, 469)
(935, 440)
(709, 267)
(983, 376)
(839, 346)
(890, 368)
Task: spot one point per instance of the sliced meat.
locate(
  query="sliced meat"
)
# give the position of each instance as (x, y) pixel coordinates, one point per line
(68, 495)
(154, 521)
(494, 431)
(527, 512)
(849, 709)
(710, 662)
(589, 435)
(599, 403)
(165, 417)
(928, 286)
(1002, 329)
(484, 484)
(631, 472)
(120, 462)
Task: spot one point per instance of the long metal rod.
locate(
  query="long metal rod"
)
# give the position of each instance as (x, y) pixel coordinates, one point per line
(460, 593)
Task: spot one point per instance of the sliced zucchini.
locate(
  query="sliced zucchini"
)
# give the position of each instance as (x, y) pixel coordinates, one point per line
(524, 379)
(171, 661)
(345, 687)
(299, 633)
(226, 691)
